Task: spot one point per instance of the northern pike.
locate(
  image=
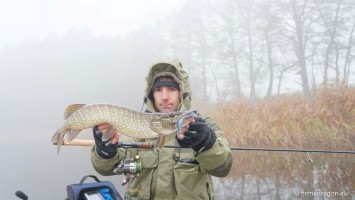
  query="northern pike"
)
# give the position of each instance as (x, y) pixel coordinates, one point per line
(126, 121)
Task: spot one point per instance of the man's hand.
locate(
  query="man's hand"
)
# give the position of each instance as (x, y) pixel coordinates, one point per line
(198, 136)
(106, 140)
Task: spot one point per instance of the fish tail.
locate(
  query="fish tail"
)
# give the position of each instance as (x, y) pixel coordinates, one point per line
(72, 133)
(57, 138)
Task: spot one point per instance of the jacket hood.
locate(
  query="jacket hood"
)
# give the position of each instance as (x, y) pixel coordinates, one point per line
(171, 67)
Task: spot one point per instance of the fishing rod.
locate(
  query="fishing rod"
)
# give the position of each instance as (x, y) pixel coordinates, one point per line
(131, 167)
(150, 145)
(293, 150)
(280, 150)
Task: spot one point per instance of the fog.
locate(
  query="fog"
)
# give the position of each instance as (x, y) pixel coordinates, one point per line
(36, 86)
(37, 83)
(57, 53)
(52, 54)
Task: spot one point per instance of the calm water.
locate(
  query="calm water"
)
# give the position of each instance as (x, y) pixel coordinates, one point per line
(35, 168)
(288, 176)
(31, 164)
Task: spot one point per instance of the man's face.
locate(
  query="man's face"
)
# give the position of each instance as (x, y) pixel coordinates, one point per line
(167, 99)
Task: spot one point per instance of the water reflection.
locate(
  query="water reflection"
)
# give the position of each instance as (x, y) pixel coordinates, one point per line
(276, 175)
(255, 175)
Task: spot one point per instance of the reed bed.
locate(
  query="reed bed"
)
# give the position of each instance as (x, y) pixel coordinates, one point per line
(290, 120)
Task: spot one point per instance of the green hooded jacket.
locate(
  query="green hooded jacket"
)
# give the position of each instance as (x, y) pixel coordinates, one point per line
(172, 173)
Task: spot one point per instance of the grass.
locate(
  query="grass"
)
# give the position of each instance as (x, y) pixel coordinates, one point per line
(289, 120)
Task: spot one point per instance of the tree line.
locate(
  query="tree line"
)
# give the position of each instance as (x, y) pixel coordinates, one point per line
(232, 48)
(253, 48)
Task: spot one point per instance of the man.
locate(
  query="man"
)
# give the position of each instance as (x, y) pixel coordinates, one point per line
(180, 173)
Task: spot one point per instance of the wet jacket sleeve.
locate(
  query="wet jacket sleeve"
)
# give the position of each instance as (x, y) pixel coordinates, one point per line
(216, 161)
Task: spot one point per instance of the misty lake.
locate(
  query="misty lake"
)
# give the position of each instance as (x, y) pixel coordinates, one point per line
(278, 175)
(36, 169)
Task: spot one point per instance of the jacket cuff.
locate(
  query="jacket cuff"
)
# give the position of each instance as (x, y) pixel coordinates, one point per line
(103, 166)
(214, 157)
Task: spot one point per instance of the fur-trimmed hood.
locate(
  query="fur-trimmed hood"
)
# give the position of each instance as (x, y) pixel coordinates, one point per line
(171, 67)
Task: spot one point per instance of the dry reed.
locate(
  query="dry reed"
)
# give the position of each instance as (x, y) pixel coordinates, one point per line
(289, 120)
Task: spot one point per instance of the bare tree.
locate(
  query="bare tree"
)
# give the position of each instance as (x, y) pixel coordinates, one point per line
(227, 39)
(254, 50)
(331, 23)
(189, 38)
(270, 21)
(252, 43)
(346, 68)
(298, 23)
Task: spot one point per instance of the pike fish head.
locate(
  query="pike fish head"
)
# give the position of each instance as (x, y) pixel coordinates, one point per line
(185, 119)
(168, 123)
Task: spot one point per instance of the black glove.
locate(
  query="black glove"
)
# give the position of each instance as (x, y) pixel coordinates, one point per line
(103, 150)
(199, 136)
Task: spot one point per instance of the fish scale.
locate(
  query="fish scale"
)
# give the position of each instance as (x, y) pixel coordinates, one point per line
(128, 122)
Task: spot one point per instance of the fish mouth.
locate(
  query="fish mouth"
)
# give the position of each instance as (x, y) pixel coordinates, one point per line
(184, 119)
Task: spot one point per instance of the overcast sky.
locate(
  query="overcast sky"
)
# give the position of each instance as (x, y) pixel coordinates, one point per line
(22, 20)
(38, 80)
